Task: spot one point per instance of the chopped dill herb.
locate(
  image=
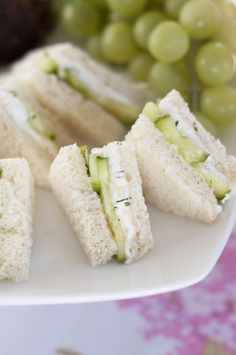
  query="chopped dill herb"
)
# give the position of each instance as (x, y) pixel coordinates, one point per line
(124, 199)
(13, 92)
(195, 127)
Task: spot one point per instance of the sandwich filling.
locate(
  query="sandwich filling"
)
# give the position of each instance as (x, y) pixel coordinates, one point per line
(81, 79)
(27, 121)
(109, 181)
(190, 147)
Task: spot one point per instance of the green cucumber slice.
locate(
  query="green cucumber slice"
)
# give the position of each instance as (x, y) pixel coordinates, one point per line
(48, 65)
(93, 170)
(127, 113)
(39, 127)
(187, 148)
(152, 111)
(74, 82)
(219, 187)
(103, 171)
(84, 152)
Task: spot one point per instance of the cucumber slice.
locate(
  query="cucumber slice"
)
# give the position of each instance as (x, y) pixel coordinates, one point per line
(39, 127)
(103, 171)
(1, 171)
(74, 82)
(219, 187)
(48, 65)
(93, 170)
(84, 152)
(127, 113)
(152, 111)
(187, 148)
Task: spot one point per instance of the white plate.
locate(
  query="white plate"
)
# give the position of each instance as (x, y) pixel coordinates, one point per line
(185, 252)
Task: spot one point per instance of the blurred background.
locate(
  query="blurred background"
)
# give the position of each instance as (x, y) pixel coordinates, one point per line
(188, 45)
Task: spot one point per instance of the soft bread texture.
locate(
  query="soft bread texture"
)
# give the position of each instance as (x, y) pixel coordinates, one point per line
(79, 114)
(16, 143)
(174, 104)
(143, 240)
(72, 186)
(138, 93)
(168, 181)
(63, 135)
(16, 199)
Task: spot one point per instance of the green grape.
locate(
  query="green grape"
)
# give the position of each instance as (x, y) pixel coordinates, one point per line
(168, 42)
(101, 4)
(144, 26)
(140, 66)
(172, 7)
(214, 64)
(118, 44)
(227, 34)
(127, 8)
(219, 104)
(165, 77)
(156, 2)
(208, 124)
(81, 18)
(114, 17)
(94, 47)
(200, 18)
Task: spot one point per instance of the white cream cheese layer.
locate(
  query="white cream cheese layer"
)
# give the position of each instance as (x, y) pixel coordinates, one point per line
(87, 77)
(14, 108)
(20, 115)
(119, 191)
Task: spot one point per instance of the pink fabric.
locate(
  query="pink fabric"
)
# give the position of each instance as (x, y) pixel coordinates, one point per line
(184, 321)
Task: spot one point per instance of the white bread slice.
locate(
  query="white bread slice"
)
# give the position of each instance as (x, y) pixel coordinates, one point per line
(143, 240)
(16, 199)
(82, 116)
(174, 104)
(18, 143)
(168, 181)
(63, 135)
(72, 187)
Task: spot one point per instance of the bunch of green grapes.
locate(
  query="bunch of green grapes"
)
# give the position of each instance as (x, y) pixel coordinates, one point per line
(188, 45)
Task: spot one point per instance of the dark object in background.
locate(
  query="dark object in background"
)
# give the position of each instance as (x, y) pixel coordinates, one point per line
(23, 25)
